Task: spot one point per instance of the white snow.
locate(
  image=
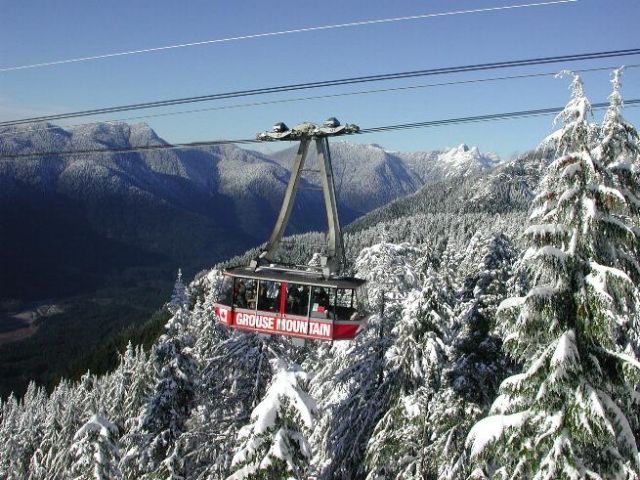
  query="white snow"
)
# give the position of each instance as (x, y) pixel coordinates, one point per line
(96, 424)
(512, 302)
(608, 192)
(284, 385)
(546, 229)
(543, 291)
(571, 170)
(598, 276)
(547, 251)
(491, 428)
(624, 431)
(565, 357)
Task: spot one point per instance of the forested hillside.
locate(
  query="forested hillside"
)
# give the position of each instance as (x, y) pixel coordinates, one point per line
(502, 342)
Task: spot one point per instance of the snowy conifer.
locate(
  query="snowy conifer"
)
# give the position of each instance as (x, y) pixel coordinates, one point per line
(274, 444)
(476, 361)
(619, 152)
(179, 297)
(572, 412)
(162, 419)
(11, 442)
(95, 451)
(352, 399)
(413, 368)
(389, 269)
(475, 364)
(350, 382)
(239, 372)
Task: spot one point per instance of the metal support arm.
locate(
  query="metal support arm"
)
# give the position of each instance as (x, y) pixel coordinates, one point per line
(334, 233)
(287, 204)
(306, 132)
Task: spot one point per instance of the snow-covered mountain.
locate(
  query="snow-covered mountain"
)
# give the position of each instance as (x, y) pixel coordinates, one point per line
(369, 176)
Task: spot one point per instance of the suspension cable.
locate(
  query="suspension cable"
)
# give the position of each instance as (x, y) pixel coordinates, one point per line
(41, 128)
(331, 83)
(388, 128)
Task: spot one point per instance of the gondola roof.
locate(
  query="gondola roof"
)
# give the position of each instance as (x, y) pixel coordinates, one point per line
(311, 277)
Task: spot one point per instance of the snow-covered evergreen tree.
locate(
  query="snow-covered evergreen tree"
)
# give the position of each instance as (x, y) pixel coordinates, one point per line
(619, 153)
(274, 444)
(350, 382)
(390, 270)
(475, 363)
(179, 297)
(162, 419)
(10, 467)
(95, 451)
(23, 431)
(412, 373)
(349, 387)
(573, 410)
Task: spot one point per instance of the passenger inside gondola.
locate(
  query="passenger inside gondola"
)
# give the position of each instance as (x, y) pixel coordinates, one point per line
(344, 304)
(244, 293)
(269, 296)
(250, 297)
(239, 293)
(320, 303)
(297, 299)
(226, 291)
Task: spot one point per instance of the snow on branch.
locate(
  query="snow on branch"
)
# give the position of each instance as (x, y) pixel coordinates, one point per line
(490, 429)
(565, 358)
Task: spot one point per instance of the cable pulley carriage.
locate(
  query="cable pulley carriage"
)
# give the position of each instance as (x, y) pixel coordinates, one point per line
(312, 302)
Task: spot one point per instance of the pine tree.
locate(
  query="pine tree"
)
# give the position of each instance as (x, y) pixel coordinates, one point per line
(66, 410)
(23, 425)
(619, 152)
(95, 451)
(390, 270)
(274, 444)
(162, 420)
(572, 412)
(11, 447)
(475, 363)
(413, 370)
(350, 382)
(350, 387)
(179, 297)
(44, 462)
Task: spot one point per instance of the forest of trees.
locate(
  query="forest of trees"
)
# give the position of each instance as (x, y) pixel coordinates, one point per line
(499, 345)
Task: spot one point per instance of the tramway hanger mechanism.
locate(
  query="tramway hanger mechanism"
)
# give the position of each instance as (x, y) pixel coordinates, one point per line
(306, 133)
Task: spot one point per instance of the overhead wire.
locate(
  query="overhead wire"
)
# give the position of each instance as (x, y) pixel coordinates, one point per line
(40, 128)
(387, 128)
(330, 83)
(489, 117)
(281, 33)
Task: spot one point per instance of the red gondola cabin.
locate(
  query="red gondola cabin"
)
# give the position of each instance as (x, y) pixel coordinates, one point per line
(294, 303)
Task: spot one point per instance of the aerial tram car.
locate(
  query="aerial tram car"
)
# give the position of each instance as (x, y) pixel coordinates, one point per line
(304, 302)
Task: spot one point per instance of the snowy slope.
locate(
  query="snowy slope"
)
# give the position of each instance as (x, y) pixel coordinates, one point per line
(368, 176)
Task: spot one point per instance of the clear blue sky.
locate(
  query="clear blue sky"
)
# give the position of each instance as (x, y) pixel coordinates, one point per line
(32, 32)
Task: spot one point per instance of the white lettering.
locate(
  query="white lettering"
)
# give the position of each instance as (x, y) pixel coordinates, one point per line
(254, 321)
(285, 325)
(320, 329)
(288, 325)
